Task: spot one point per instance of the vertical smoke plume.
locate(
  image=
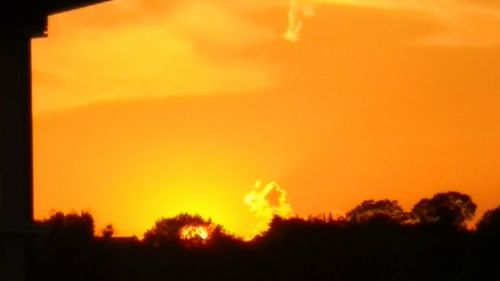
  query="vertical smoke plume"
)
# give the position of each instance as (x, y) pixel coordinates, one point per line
(264, 203)
(296, 15)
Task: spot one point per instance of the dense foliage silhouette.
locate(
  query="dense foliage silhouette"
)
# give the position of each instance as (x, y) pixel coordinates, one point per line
(376, 240)
(108, 231)
(383, 210)
(166, 231)
(450, 209)
(490, 223)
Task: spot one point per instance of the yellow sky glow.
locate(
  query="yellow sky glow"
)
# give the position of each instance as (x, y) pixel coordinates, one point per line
(149, 108)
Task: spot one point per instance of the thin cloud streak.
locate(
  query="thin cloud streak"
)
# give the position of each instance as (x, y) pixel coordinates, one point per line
(162, 54)
(462, 23)
(296, 15)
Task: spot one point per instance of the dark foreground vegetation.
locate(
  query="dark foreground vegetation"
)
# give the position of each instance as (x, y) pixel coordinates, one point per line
(377, 240)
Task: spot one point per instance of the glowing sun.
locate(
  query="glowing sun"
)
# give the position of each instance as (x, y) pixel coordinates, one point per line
(195, 232)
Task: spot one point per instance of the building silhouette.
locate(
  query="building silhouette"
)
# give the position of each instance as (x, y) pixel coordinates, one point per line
(20, 21)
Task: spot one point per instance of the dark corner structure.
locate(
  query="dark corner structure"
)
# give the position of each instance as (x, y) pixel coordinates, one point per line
(20, 21)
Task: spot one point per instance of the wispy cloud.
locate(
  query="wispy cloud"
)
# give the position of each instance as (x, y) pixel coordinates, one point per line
(146, 49)
(265, 202)
(296, 15)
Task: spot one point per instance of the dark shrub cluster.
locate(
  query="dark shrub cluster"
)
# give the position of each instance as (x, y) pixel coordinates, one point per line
(376, 240)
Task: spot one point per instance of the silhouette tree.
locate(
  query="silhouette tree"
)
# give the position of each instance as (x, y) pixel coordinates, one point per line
(73, 225)
(292, 249)
(450, 209)
(490, 222)
(108, 231)
(381, 210)
(166, 231)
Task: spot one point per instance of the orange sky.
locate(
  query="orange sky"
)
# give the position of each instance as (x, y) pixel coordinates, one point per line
(147, 108)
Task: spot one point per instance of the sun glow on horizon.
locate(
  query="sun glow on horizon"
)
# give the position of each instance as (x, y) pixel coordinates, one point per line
(193, 232)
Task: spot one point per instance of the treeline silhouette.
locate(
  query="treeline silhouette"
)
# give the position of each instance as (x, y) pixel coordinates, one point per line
(376, 240)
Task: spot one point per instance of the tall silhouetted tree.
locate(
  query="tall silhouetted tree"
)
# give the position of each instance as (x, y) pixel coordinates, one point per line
(450, 209)
(381, 210)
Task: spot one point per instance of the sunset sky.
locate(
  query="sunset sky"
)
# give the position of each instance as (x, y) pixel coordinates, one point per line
(149, 108)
